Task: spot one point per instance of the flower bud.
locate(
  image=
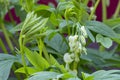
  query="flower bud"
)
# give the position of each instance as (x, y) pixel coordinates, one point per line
(82, 39)
(72, 42)
(73, 38)
(72, 45)
(84, 50)
(72, 55)
(83, 30)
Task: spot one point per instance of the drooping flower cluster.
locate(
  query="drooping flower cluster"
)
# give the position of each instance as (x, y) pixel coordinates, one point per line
(77, 47)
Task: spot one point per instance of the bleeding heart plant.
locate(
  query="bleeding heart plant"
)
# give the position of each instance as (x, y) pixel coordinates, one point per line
(40, 51)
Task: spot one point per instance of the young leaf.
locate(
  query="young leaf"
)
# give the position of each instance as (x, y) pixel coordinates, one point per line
(86, 76)
(36, 60)
(54, 62)
(29, 69)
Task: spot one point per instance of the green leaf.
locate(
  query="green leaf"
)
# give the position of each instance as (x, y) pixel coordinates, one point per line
(36, 60)
(3, 8)
(105, 41)
(106, 75)
(116, 28)
(41, 7)
(90, 35)
(43, 13)
(101, 28)
(43, 10)
(112, 22)
(29, 69)
(54, 62)
(74, 78)
(117, 40)
(57, 43)
(6, 62)
(7, 57)
(98, 59)
(63, 5)
(12, 78)
(21, 13)
(5, 67)
(86, 76)
(44, 76)
(16, 28)
(53, 19)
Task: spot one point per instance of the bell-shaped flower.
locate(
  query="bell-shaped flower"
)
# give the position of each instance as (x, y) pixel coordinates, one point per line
(83, 30)
(67, 58)
(82, 39)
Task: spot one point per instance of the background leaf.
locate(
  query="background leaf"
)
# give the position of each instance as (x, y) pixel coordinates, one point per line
(6, 62)
(106, 75)
(101, 29)
(44, 76)
(99, 60)
(105, 41)
(57, 42)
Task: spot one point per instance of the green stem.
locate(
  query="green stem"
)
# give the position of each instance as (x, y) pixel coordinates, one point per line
(104, 11)
(22, 54)
(3, 46)
(68, 28)
(93, 11)
(46, 53)
(75, 65)
(7, 37)
(117, 10)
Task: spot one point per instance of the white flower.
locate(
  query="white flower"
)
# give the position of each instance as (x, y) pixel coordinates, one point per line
(84, 50)
(78, 48)
(72, 42)
(73, 38)
(83, 30)
(67, 58)
(72, 45)
(82, 39)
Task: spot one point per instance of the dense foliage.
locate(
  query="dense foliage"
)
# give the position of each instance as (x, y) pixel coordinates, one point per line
(52, 43)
